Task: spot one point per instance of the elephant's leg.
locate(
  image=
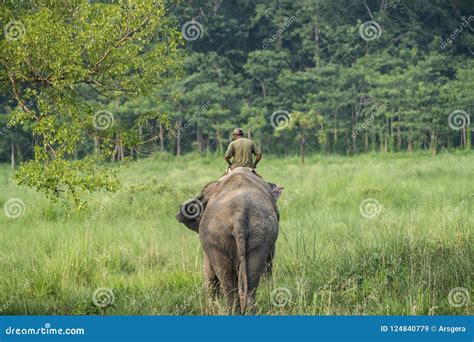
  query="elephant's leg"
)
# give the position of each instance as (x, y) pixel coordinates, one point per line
(256, 268)
(210, 278)
(269, 266)
(224, 269)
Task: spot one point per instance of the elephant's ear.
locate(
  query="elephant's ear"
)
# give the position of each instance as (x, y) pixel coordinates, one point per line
(276, 190)
(190, 213)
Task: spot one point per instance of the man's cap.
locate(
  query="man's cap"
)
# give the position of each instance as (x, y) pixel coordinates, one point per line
(237, 131)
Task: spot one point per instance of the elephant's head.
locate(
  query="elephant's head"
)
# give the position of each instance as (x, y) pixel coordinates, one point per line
(191, 211)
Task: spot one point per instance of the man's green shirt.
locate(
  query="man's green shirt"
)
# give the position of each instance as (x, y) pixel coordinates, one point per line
(241, 150)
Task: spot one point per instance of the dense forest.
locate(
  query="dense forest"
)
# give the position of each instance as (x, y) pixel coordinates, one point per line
(326, 76)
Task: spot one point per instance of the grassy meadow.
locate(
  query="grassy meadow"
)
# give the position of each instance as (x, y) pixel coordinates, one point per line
(330, 258)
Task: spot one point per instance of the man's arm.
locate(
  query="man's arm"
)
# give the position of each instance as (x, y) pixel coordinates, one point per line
(229, 154)
(258, 155)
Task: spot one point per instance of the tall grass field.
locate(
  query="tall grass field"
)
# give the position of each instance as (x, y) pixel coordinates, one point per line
(371, 235)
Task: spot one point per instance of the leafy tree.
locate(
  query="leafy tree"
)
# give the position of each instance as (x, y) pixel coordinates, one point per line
(54, 50)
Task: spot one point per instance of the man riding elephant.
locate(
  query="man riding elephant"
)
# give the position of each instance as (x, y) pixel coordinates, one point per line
(236, 218)
(240, 152)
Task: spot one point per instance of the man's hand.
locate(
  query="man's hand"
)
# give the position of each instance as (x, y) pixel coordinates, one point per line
(257, 159)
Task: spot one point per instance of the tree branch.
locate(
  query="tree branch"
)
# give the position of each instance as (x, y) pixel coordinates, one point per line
(127, 35)
(17, 96)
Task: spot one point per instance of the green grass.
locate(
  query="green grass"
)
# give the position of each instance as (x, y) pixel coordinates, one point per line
(330, 258)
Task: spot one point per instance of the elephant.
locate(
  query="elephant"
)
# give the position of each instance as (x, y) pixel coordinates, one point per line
(237, 221)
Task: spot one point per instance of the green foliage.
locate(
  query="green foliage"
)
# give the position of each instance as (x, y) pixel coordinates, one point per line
(334, 261)
(348, 95)
(59, 178)
(68, 55)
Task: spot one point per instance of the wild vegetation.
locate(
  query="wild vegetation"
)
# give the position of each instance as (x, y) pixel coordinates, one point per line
(331, 257)
(85, 82)
(362, 109)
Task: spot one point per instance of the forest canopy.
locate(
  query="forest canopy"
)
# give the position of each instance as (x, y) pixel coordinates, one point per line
(85, 83)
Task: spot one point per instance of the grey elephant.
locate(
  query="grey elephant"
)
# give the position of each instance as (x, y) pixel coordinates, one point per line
(237, 222)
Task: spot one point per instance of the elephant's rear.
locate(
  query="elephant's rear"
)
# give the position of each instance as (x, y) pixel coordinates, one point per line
(255, 229)
(240, 225)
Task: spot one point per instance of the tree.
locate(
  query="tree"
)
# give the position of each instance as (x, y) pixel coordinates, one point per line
(55, 50)
(304, 125)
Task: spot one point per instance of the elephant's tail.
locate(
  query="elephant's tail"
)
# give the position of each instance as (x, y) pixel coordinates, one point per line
(241, 241)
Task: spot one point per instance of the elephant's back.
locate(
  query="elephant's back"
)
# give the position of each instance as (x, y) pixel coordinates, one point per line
(247, 207)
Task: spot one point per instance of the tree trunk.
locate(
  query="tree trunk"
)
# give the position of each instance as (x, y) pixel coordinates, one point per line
(316, 42)
(19, 156)
(162, 137)
(468, 138)
(115, 152)
(178, 137)
(302, 144)
(96, 145)
(122, 153)
(410, 147)
(399, 136)
(463, 136)
(12, 155)
(264, 89)
(366, 142)
(198, 139)
(140, 133)
(219, 142)
(390, 137)
(354, 147)
(354, 124)
(433, 144)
